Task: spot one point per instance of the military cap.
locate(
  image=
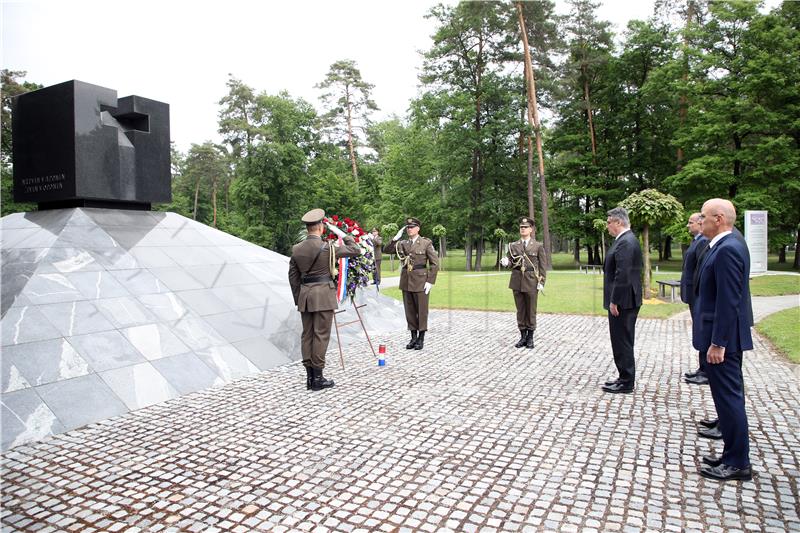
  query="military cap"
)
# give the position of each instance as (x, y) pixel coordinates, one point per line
(314, 216)
(411, 221)
(526, 221)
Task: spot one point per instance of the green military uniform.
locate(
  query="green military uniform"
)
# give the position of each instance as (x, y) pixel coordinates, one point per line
(528, 270)
(314, 291)
(419, 265)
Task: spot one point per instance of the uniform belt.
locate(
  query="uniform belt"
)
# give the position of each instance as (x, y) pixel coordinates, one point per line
(314, 279)
(418, 267)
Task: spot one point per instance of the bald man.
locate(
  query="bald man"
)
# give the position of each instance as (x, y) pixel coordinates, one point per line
(721, 328)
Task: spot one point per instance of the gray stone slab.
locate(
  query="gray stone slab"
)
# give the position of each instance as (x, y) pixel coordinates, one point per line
(11, 377)
(45, 361)
(67, 260)
(262, 352)
(203, 302)
(76, 318)
(226, 361)
(233, 326)
(142, 220)
(155, 341)
(150, 257)
(244, 296)
(26, 324)
(166, 306)
(196, 333)
(139, 385)
(187, 373)
(115, 258)
(176, 278)
(80, 401)
(27, 238)
(125, 311)
(272, 272)
(26, 418)
(197, 256)
(96, 285)
(221, 275)
(271, 317)
(51, 288)
(139, 281)
(84, 237)
(106, 350)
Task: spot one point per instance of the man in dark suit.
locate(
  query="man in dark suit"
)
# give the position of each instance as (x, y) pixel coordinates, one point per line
(722, 329)
(690, 263)
(622, 297)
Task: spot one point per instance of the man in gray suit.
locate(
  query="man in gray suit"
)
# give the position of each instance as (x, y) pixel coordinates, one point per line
(622, 297)
(311, 278)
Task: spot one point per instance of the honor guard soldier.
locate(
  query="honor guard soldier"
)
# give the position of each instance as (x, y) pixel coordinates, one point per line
(528, 263)
(419, 265)
(311, 273)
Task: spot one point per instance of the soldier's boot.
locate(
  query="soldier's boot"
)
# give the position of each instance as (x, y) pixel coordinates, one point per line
(309, 377)
(523, 338)
(318, 381)
(529, 339)
(413, 343)
(420, 341)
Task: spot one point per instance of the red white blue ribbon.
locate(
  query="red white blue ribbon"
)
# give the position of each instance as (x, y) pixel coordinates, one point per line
(341, 286)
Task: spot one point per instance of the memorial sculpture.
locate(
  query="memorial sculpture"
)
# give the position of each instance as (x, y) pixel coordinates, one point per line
(108, 306)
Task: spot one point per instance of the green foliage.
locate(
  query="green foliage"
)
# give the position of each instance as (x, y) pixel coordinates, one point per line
(650, 207)
(439, 230)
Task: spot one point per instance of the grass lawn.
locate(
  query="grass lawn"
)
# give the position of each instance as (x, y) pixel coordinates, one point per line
(781, 329)
(777, 285)
(566, 292)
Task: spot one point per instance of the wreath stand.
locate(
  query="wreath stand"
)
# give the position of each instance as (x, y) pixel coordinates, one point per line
(338, 325)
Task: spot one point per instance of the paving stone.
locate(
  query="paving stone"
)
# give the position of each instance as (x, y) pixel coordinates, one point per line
(469, 434)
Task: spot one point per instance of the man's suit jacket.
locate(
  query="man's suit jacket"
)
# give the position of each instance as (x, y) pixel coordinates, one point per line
(721, 311)
(622, 273)
(422, 259)
(690, 263)
(701, 256)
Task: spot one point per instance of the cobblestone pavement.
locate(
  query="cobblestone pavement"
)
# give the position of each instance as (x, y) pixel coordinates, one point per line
(469, 434)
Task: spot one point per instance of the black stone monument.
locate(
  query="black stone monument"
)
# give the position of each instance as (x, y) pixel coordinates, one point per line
(77, 145)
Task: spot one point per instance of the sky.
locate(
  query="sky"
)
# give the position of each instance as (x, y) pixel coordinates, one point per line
(182, 52)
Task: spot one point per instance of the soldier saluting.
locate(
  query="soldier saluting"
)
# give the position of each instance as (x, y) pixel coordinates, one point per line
(419, 265)
(528, 273)
(311, 272)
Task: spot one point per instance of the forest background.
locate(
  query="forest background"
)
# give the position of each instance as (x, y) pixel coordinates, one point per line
(701, 100)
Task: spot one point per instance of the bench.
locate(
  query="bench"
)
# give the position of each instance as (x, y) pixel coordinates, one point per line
(672, 284)
(587, 268)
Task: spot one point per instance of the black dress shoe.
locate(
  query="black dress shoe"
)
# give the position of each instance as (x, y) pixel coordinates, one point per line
(710, 460)
(523, 338)
(691, 374)
(710, 433)
(619, 388)
(723, 472)
(709, 422)
(698, 379)
(611, 382)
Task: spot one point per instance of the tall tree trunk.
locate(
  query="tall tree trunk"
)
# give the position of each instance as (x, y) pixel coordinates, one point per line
(589, 113)
(214, 201)
(196, 196)
(646, 253)
(350, 144)
(668, 247)
(576, 251)
(796, 263)
(782, 254)
(468, 250)
(589, 254)
(533, 118)
(479, 253)
(683, 101)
